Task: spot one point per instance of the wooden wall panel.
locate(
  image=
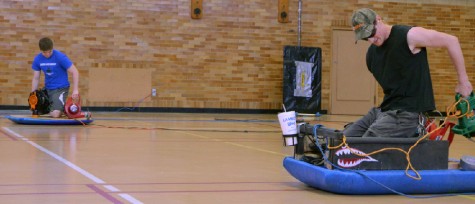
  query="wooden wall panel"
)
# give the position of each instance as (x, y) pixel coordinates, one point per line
(196, 10)
(283, 11)
(119, 85)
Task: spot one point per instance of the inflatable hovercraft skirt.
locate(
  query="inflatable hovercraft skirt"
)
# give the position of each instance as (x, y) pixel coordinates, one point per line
(383, 173)
(46, 120)
(373, 182)
(40, 107)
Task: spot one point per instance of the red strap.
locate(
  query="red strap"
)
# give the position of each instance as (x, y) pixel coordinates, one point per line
(451, 133)
(440, 133)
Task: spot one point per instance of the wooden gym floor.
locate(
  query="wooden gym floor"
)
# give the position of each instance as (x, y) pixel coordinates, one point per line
(166, 158)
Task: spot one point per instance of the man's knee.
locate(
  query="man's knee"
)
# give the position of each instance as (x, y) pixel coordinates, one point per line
(353, 130)
(55, 113)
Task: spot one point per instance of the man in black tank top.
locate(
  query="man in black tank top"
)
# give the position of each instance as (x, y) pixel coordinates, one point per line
(397, 59)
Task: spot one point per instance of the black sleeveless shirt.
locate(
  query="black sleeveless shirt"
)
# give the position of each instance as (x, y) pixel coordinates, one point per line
(404, 76)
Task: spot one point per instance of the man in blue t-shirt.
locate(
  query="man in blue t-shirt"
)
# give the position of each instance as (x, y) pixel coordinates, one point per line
(55, 65)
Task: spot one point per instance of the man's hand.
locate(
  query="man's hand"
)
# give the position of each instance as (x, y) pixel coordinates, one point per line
(464, 88)
(75, 95)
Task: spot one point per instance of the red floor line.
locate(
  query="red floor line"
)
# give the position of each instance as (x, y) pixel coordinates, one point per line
(104, 194)
(8, 135)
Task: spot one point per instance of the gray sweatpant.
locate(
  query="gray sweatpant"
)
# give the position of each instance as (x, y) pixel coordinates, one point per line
(57, 98)
(393, 123)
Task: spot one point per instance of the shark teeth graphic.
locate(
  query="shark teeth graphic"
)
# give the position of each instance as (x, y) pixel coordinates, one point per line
(351, 162)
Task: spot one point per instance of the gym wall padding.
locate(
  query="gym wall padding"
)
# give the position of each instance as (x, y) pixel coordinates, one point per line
(301, 92)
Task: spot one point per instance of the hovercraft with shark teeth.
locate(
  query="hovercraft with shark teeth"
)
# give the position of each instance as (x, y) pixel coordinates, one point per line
(371, 166)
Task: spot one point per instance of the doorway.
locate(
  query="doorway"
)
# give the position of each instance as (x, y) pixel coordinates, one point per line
(353, 88)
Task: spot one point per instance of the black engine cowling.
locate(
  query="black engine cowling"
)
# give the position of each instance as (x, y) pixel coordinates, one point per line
(39, 102)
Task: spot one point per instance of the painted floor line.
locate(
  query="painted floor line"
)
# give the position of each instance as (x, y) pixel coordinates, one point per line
(236, 144)
(66, 162)
(104, 194)
(130, 198)
(57, 157)
(9, 136)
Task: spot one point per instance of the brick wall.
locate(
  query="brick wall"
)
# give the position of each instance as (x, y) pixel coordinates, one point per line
(231, 58)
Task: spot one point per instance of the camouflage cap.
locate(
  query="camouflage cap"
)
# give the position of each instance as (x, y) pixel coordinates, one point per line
(363, 22)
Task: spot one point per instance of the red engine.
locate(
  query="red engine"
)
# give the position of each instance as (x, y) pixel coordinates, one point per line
(72, 109)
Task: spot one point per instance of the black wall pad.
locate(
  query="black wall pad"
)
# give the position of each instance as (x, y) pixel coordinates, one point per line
(296, 101)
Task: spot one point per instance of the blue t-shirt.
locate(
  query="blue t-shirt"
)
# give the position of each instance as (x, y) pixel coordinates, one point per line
(55, 69)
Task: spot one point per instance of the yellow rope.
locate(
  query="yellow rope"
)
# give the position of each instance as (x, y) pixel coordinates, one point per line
(451, 112)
